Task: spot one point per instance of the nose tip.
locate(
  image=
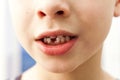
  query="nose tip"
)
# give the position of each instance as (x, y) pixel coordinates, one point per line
(54, 10)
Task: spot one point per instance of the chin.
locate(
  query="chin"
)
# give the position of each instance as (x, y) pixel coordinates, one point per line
(60, 68)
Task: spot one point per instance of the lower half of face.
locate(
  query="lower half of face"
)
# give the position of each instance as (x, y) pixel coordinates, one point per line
(90, 23)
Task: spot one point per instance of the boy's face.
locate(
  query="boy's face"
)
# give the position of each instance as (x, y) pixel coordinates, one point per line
(88, 20)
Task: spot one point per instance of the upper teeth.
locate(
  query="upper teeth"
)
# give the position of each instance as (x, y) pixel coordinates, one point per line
(54, 40)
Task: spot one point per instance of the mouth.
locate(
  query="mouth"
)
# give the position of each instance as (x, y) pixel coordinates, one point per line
(57, 42)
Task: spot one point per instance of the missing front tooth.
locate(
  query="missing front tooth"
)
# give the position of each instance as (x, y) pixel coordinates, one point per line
(55, 40)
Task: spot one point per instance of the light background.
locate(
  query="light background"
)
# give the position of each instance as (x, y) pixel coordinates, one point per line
(14, 60)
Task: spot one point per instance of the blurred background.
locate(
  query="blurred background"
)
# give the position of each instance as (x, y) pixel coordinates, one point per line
(14, 60)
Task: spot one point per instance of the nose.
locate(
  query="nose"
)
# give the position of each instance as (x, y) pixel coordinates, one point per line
(53, 9)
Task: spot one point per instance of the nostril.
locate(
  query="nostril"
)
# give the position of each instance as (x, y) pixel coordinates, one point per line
(42, 14)
(60, 12)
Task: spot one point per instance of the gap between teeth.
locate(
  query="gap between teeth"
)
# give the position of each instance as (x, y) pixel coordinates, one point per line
(56, 40)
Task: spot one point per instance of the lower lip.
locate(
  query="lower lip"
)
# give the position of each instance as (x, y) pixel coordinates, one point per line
(60, 49)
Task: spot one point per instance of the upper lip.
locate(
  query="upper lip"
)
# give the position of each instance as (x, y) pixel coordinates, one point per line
(54, 33)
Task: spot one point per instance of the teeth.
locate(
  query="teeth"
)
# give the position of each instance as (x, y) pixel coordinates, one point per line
(62, 39)
(48, 40)
(53, 40)
(67, 38)
(57, 40)
(45, 40)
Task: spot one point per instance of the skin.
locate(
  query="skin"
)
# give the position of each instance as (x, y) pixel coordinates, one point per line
(89, 19)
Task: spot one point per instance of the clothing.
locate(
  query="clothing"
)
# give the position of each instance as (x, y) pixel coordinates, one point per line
(18, 78)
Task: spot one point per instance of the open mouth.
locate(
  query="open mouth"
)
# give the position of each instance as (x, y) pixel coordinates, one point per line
(56, 43)
(56, 40)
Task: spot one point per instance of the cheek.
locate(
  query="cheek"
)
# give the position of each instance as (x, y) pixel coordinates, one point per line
(94, 11)
(21, 19)
(95, 20)
(21, 13)
(22, 27)
(21, 22)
